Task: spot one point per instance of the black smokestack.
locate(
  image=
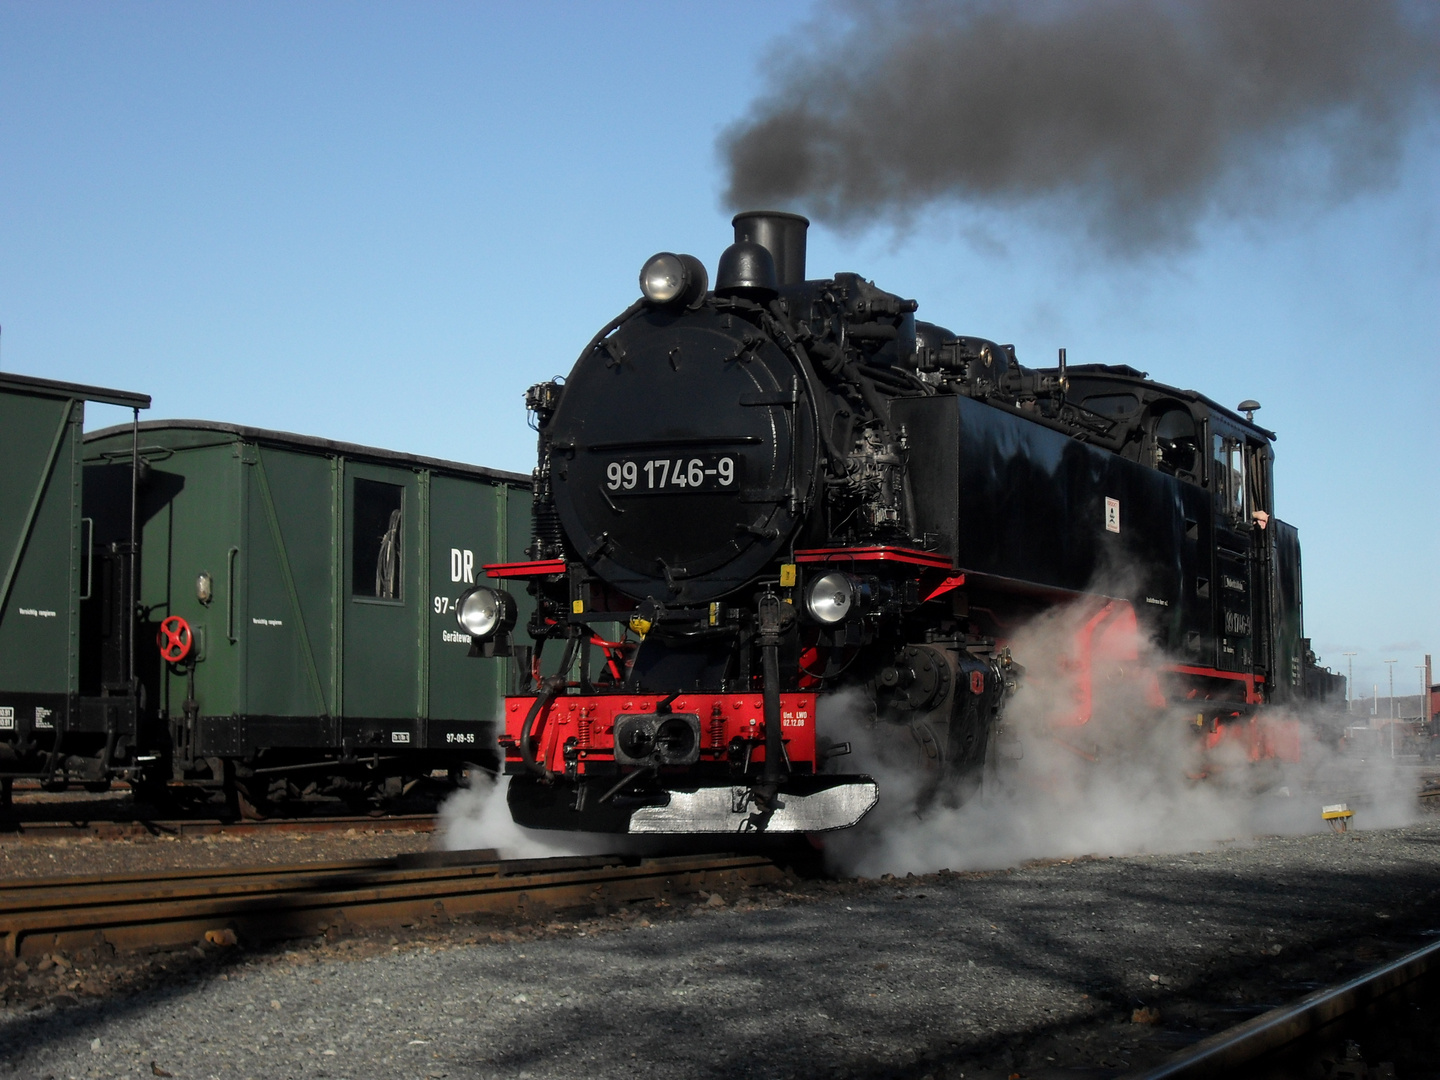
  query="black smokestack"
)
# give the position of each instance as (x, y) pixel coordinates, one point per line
(782, 234)
(1136, 117)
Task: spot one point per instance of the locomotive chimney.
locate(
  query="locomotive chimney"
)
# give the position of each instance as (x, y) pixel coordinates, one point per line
(781, 234)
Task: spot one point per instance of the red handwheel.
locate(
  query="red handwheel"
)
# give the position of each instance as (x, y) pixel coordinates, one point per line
(174, 639)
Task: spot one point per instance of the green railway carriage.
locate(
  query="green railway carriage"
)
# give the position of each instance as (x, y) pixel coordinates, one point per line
(293, 619)
(43, 557)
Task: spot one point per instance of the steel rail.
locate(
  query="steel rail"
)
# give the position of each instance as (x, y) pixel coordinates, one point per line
(138, 827)
(129, 912)
(1283, 1028)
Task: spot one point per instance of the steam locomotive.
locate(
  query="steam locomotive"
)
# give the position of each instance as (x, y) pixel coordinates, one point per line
(753, 499)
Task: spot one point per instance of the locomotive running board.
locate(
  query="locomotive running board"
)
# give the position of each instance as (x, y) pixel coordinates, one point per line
(734, 810)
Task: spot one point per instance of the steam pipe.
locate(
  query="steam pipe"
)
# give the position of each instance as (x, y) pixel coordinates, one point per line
(773, 772)
(540, 707)
(612, 325)
(868, 392)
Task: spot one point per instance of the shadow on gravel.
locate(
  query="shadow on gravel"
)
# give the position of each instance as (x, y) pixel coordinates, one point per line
(150, 982)
(779, 1017)
(924, 977)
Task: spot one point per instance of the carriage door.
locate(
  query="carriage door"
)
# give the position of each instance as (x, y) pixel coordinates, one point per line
(1233, 562)
(381, 586)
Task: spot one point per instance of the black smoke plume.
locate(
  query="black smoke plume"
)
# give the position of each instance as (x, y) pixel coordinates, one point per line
(1136, 119)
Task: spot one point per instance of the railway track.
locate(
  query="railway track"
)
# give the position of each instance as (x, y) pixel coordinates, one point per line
(116, 829)
(137, 911)
(79, 819)
(1281, 1042)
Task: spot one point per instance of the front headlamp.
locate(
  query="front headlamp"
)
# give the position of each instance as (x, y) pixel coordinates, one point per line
(482, 611)
(667, 279)
(831, 598)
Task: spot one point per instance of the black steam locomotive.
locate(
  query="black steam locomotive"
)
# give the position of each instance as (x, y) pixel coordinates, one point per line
(752, 498)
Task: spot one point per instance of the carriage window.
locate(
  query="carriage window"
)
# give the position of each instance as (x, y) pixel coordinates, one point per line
(376, 539)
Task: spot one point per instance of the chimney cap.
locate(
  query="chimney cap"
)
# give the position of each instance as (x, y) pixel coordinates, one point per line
(784, 215)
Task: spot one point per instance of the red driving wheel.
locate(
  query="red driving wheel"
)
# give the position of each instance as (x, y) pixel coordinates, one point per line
(174, 639)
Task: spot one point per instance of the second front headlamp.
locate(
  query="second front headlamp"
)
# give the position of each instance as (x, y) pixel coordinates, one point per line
(834, 597)
(482, 612)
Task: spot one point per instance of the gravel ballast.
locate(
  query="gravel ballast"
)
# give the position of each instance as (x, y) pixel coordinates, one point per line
(59, 856)
(1098, 964)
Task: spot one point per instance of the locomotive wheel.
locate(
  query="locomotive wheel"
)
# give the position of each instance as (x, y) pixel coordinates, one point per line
(931, 757)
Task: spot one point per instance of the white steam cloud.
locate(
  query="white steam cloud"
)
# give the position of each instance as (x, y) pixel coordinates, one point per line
(1123, 783)
(477, 816)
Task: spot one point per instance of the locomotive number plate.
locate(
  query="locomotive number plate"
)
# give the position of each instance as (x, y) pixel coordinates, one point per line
(703, 473)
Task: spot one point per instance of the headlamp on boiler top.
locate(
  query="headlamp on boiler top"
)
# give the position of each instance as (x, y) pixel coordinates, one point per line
(668, 279)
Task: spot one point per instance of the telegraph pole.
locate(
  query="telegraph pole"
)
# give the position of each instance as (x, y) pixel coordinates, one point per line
(1390, 667)
(1425, 707)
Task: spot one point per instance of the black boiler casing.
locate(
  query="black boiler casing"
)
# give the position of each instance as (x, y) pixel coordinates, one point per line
(667, 400)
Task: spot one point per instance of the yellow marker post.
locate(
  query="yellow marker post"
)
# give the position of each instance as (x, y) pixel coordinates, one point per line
(1338, 815)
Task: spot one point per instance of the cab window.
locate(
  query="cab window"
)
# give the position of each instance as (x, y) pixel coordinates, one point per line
(1237, 480)
(1176, 444)
(1229, 463)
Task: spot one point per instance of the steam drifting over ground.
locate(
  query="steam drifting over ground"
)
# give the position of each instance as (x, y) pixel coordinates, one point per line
(1134, 117)
(1139, 794)
(1125, 782)
(478, 817)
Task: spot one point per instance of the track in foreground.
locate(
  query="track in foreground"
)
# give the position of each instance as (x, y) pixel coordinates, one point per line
(119, 829)
(1274, 1043)
(129, 912)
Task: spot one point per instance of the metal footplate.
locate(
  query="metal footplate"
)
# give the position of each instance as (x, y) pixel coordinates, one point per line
(734, 809)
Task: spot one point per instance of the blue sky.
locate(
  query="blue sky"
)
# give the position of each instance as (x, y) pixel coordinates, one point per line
(380, 223)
